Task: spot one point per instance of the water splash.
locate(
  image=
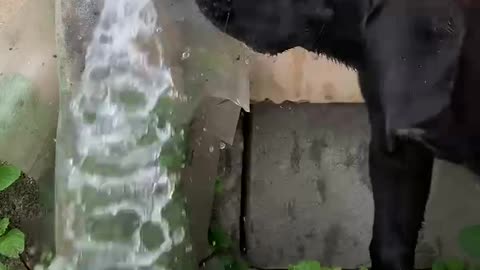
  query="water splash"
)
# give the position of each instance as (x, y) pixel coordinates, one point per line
(114, 192)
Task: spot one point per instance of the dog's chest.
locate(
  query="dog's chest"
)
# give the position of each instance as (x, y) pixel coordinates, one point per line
(448, 139)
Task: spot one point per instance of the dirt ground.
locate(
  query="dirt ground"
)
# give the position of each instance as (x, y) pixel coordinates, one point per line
(21, 203)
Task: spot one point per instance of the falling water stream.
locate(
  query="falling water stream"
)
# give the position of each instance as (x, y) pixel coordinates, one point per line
(117, 149)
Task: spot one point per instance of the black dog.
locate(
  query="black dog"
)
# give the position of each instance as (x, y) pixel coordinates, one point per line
(418, 69)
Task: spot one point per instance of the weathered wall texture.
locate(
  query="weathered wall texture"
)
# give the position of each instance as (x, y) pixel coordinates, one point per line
(310, 195)
(28, 84)
(301, 76)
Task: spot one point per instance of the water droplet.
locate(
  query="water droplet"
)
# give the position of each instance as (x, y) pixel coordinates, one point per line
(32, 250)
(178, 236)
(222, 145)
(186, 54)
(204, 129)
(211, 149)
(158, 30)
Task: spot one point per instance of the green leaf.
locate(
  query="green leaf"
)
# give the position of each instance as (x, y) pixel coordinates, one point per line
(474, 267)
(307, 265)
(12, 244)
(8, 176)
(227, 261)
(218, 186)
(439, 266)
(312, 265)
(452, 264)
(2, 266)
(470, 241)
(4, 222)
(240, 265)
(455, 264)
(230, 263)
(219, 240)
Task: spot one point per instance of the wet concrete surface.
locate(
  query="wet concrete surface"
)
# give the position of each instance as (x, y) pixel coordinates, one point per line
(28, 84)
(309, 194)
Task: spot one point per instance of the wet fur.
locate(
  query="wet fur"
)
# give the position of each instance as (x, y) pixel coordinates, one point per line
(419, 70)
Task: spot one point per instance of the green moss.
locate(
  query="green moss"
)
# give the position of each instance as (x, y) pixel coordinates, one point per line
(173, 153)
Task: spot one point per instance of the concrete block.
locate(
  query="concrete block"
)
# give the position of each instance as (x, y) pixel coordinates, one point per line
(309, 194)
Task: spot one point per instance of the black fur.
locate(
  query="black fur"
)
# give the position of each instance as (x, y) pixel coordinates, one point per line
(418, 70)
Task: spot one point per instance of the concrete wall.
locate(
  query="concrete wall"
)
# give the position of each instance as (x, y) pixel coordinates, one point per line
(309, 194)
(300, 76)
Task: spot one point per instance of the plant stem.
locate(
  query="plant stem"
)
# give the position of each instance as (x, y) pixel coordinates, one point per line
(24, 262)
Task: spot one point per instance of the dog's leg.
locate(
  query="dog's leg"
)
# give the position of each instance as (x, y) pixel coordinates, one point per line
(401, 184)
(412, 49)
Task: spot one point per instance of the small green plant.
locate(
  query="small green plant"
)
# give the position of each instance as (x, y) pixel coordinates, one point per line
(311, 265)
(12, 241)
(469, 240)
(8, 176)
(222, 248)
(218, 185)
(452, 264)
(220, 242)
